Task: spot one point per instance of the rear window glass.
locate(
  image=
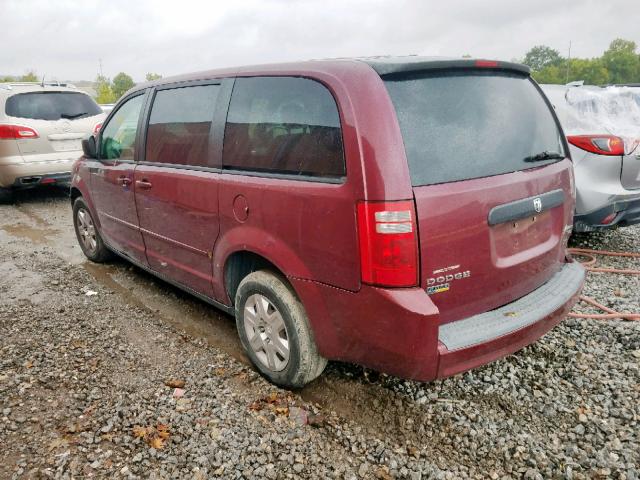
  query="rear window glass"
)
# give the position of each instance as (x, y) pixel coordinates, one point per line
(471, 124)
(51, 106)
(179, 125)
(283, 125)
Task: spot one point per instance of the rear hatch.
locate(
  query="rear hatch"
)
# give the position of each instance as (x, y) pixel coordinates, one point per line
(60, 120)
(492, 187)
(631, 169)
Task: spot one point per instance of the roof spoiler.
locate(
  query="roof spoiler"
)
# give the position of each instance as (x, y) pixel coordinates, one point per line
(390, 68)
(53, 83)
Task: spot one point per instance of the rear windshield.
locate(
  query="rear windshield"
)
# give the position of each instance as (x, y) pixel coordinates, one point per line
(471, 124)
(51, 106)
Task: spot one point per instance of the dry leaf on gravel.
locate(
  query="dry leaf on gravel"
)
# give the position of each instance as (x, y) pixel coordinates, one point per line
(175, 383)
(139, 432)
(155, 437)
(382, 473)
(277, 402)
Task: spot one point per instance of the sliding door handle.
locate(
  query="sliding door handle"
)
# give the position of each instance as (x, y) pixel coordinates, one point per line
(143, 184)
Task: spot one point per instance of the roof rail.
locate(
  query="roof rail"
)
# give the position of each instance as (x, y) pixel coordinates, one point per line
(52, 83)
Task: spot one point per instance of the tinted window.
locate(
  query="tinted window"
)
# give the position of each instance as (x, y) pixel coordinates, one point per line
(119, 135)
(51, 106)
(463, 125)
(283, 125)
(179, 125)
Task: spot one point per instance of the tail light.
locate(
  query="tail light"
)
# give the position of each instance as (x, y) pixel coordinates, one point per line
(8, 132)
(600, 144)
(97, 128)
(486, 63)
(388, 243)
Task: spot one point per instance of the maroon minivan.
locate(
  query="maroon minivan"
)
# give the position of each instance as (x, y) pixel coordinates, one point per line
(407, 214)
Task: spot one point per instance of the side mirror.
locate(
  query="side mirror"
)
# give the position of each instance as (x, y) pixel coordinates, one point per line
(89, 147)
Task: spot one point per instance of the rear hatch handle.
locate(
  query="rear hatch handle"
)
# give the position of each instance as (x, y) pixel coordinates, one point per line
(525, 207)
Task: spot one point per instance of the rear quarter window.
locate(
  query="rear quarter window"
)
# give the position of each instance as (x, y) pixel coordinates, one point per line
(283, 125)
(51, 106)
(459, 125)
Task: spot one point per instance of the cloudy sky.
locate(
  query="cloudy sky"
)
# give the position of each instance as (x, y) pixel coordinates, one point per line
(66, 39)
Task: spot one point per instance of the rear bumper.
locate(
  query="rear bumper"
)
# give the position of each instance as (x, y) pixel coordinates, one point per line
(488, 336)
(31, 174)
(627, 212)
(398, 331)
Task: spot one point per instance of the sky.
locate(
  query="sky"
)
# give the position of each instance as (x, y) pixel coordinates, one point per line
(69, 40)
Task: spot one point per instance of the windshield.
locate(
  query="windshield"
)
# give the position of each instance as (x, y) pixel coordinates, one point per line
(51, 106)
(458, 125)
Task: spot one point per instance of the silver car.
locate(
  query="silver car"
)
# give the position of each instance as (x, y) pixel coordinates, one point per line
(602, 126)
(41, 130)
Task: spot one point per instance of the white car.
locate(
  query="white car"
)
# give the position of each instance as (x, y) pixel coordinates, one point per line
(41, 129)
(602, 125)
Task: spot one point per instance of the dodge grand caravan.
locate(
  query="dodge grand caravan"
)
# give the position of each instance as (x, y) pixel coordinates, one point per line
(406, 214)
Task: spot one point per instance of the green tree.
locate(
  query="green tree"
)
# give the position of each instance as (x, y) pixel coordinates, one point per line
(541, 56)
(121, 83)
(592, 71)
(153, 76)
(104, 91)
(7, 78)
(30, 77)
(551, 74)
(622, 61)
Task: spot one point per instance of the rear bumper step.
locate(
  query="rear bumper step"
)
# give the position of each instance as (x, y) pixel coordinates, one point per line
(515, 315)
(487, 336)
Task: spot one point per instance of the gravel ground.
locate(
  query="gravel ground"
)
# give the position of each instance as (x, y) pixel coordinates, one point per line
(107, 372)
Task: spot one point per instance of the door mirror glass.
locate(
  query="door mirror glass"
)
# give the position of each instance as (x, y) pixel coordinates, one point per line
(89, 147)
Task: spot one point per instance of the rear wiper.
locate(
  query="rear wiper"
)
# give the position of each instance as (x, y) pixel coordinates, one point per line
(66, 115)
(539, 157)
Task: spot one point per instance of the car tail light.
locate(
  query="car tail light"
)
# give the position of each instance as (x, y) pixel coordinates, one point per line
(600, 144)
(97, 128)
(16, 132)
(388, 243)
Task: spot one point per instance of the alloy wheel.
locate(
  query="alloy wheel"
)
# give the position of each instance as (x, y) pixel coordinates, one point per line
(266, 332)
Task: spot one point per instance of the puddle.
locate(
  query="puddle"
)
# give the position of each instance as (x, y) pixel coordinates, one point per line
(33, 216)
(35, 235)
(198, 319)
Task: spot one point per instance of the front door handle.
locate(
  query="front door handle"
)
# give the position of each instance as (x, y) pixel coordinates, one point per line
(143, 184)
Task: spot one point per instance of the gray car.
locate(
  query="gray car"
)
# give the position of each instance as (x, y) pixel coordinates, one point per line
(41, 130)
(603, 130)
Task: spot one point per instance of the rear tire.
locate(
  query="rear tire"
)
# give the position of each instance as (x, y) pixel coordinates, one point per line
(87, 233)
(275, 332)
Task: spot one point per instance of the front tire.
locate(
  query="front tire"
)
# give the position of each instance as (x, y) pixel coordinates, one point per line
(87, 234)
(275, 332)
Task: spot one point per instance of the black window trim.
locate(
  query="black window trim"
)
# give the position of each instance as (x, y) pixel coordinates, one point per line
(122, 101)
(290, 176)
(214, 154)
